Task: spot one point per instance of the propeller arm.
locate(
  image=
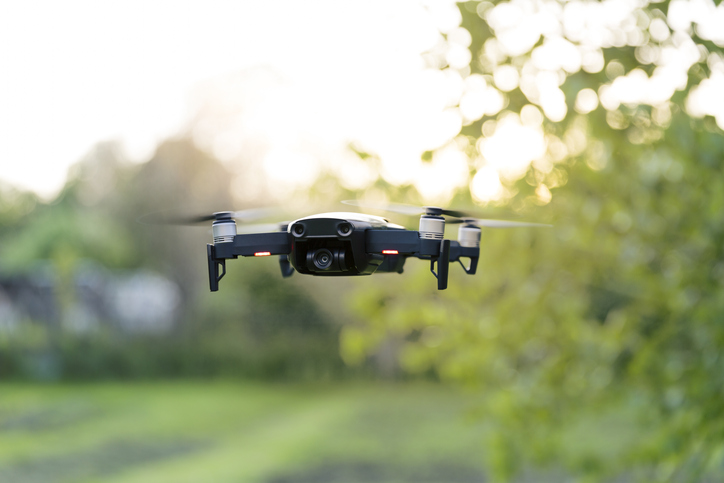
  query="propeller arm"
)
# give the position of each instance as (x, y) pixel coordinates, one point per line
(247, 245)
(255, 245)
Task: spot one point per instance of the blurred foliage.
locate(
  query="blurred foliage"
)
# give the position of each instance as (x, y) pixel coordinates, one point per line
(616, 310)
(265, 328)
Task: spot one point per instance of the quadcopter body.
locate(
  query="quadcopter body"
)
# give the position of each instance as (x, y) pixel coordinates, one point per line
(348, 244)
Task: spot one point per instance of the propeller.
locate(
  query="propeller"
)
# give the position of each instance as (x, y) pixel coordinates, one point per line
(408, 209)
(264, 227)
(462, 217)
(165, 217)
(486, 223)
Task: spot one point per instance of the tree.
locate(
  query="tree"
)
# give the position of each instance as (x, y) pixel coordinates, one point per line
(599, 117)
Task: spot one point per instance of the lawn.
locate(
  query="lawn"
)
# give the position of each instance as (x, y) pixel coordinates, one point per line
(240, 432)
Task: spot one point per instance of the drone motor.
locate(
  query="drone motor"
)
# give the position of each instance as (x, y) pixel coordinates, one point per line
(469, 236)
(432, 227)
(223, 230)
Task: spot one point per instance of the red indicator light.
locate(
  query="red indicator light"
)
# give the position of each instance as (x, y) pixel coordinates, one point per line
(390, 252)
(262, 254)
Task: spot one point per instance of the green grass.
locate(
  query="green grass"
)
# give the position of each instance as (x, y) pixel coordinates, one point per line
(194, 431)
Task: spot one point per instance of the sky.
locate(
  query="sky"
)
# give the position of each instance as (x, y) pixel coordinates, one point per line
(79, 72)
(286, 87)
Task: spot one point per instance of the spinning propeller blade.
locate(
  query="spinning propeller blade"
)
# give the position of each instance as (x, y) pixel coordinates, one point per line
(496, 223)
(462, 217)
(407, 209)
(263, 227)
(166, 217)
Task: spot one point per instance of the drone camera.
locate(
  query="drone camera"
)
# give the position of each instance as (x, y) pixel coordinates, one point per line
(327, 260)
(322, 259)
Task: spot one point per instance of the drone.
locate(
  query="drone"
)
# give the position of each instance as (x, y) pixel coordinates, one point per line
(343, 244)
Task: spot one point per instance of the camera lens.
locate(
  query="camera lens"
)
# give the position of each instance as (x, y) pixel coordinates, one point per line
(323, 259)
(344, 229)
(298, 229)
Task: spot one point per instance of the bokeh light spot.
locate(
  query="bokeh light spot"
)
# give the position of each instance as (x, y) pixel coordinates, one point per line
(586, 101)
(486, 185)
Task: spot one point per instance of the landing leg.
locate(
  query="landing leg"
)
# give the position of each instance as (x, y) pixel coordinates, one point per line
(214, 264)
(443, 264)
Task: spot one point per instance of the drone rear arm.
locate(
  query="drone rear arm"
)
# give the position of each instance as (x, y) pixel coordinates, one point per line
(409, 243)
